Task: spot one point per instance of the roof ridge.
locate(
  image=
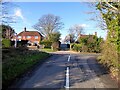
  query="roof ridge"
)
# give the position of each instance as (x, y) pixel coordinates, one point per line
(29, 32)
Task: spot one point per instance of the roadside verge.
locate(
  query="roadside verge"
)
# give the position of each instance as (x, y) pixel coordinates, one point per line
(17, 63)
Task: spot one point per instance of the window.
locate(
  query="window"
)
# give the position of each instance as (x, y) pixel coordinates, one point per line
(19, 36)
(28, 37)
(36, 37)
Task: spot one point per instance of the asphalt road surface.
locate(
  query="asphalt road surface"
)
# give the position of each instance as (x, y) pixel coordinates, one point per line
(68, 70)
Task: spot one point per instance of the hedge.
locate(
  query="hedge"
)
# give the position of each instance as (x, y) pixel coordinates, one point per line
(6, 43)
(77, 47)
(47, 43)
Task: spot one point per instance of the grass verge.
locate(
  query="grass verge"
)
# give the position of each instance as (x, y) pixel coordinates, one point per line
(16, 62)
(47, 50)
(113, 68)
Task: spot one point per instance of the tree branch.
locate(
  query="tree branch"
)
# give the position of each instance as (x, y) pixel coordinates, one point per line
(111, 5)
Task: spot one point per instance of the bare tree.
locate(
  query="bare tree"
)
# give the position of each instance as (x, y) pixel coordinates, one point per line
(75, 31)
(6, 14)
(69, 38)
(48, 24)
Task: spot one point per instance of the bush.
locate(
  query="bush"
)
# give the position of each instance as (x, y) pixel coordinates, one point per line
(110, 58)
(84, 48)
(91, 44)
(6, 43)
(110, 55)
(55, 46)
(91, 47)
(47, 43)
(20, 43)
(77, 47)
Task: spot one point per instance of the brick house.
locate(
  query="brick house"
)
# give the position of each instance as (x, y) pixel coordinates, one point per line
(84, 36)
(90, 37)
(33, 37)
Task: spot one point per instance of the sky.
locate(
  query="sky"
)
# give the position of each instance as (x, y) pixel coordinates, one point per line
(71, 13)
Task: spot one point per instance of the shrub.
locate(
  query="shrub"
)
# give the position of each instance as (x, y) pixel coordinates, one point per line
(55, 46)
(84, 48)
(91, 47)
(20, 43)
(47, 43)
(77, 47)
(6, 43)
(110, 58)
(91, 44)
(110, 52)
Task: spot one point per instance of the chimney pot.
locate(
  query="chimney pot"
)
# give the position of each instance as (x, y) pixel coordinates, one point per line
(95, 33)
(25, 29)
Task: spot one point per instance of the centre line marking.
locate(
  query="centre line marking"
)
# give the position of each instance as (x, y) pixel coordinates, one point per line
(69, 58)
(67, 78)
(67, 75)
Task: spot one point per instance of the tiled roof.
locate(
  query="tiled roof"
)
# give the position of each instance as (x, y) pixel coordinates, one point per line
(84, 36)
(29, 33)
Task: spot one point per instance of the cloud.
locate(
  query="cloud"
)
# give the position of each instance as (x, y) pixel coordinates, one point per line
(18, 13)
(84, 25)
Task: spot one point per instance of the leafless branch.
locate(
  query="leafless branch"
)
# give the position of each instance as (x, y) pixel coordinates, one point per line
(48, 24)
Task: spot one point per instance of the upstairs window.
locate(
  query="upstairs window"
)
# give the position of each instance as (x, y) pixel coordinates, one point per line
(19, 36)
(36, 37)
(28, 37)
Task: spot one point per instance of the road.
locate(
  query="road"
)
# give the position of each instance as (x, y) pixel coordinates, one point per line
(68, 70)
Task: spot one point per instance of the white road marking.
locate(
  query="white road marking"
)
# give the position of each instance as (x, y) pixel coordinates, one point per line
(67, 78)
(69, 58)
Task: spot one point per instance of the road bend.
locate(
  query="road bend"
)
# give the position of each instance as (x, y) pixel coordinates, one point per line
(65, 69)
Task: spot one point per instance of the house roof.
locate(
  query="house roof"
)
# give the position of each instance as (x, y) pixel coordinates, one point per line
(84, 36)
(29, 33)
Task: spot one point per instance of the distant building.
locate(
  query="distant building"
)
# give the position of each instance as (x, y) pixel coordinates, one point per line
(90, 37)
(33, 37)
(84, 36)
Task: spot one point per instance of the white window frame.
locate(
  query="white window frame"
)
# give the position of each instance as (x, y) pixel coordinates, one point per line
(28, 37)
(36, 37)
(19, 36)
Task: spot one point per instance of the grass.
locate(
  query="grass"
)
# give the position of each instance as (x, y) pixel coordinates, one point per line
(16, 62)
(47, 50)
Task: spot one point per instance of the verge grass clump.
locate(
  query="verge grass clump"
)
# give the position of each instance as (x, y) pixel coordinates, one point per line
(16, 62)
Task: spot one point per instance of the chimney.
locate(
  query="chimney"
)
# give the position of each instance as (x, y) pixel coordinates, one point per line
(25, 29)
(95, 33)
